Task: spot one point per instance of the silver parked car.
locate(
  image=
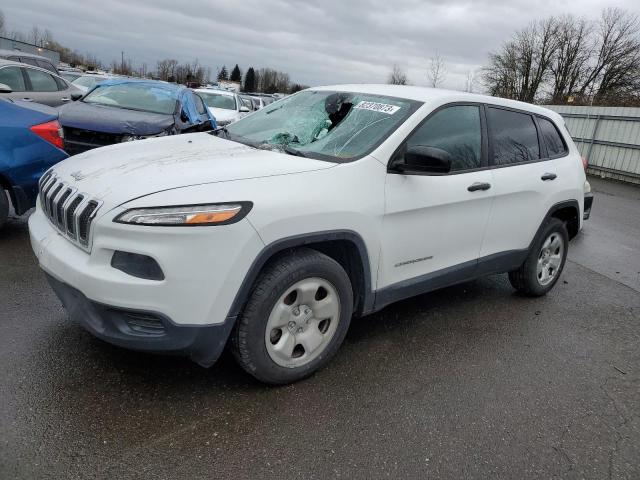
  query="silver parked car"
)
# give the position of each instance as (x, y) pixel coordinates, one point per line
(19, 81)
(29, 58)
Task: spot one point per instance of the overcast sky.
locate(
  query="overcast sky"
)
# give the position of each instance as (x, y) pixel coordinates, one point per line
(319, 42)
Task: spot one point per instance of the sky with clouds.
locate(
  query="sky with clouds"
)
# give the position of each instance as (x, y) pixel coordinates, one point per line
(319, 42)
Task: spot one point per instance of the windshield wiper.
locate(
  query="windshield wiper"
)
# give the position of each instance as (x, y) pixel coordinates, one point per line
(293, 151)
(222, 129)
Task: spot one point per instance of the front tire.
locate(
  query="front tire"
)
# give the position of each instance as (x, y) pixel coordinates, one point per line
(296, 318)
(543, 266)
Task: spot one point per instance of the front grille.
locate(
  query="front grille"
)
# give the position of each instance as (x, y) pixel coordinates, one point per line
(77, 140)
(68, 210)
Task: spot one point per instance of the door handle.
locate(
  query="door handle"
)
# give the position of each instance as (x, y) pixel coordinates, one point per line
(65, 99)
(479, 186)
(548, 176)
(27, 99)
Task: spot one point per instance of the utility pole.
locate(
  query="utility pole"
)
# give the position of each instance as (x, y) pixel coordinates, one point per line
(122, 62)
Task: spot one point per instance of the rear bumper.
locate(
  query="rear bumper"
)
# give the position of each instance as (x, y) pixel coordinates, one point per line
(588, 202)
(141, 330)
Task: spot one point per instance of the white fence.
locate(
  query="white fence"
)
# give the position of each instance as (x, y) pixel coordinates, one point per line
(609, 137)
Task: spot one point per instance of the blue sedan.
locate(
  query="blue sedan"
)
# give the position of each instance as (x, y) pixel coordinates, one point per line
(122, 110)
(30, 142)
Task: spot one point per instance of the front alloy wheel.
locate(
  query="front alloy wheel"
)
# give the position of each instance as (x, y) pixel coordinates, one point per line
(302, 322)
(295, 319)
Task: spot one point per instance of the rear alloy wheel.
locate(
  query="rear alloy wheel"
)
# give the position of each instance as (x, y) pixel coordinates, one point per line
(543, 266)
(550, 259)
(296, 318)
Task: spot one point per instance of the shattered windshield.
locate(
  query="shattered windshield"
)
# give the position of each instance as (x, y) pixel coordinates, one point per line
(336, 126)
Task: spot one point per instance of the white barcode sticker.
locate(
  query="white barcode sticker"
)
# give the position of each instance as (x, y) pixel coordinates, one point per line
(377, 107)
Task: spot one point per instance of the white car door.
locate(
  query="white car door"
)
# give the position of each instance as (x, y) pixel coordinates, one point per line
(524, 181)
(434, 222)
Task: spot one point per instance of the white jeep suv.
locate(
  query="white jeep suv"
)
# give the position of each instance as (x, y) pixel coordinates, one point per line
(269, 234)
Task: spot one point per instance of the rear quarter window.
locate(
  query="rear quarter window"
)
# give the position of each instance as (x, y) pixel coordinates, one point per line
(551, 137)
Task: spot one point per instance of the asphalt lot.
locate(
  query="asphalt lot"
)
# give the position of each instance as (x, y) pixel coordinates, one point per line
(469, 382)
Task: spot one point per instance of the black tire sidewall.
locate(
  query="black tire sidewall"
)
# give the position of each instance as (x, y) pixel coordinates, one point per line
(553, 226)
(4, 207)
(257, 313)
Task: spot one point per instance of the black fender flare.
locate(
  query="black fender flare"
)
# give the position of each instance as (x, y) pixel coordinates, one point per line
(550, 213)
(364, 304)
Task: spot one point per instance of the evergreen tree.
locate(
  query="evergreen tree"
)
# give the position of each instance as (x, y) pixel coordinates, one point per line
(236, 74)
(250, 80)
(223, 75)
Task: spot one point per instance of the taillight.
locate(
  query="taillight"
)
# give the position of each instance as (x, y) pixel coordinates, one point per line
(585, 163)
(51, 132)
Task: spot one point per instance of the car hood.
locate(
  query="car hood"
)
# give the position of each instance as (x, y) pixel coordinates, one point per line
(119, 173)
(101, 118)
(222, 114)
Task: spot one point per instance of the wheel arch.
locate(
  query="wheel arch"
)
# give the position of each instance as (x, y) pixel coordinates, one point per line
(568, 211)
(344, 246)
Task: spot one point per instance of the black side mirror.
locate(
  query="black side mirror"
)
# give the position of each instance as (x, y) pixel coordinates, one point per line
(423, 159)
(76, 96)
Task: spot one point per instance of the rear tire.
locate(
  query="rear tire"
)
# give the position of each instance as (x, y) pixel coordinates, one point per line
(295, 319)
(4, 207)
(543, 266)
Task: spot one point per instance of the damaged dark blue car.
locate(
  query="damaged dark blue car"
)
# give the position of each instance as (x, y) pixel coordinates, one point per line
(123, 110)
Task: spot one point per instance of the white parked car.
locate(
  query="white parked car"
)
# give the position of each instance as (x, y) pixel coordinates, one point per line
(226, 107)
(336, 201)
(87, 82)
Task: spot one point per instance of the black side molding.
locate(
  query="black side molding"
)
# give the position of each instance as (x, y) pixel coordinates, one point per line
(464, 272)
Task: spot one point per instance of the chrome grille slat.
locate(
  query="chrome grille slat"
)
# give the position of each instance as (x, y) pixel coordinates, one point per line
(69, 211)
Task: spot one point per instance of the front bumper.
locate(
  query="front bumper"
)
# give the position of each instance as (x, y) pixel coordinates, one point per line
(588, 203)
(143, 331)
(187, 312)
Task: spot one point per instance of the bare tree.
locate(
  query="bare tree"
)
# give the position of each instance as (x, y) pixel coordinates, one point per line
(570, 62)
(562, 57)
(1, 23)
(35, 36)
(617, 65)
(471, 81)
(165, 69)
(519, 69)
(397, 76)
(437, 71)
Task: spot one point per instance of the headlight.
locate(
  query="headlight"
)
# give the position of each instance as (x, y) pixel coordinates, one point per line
(187, 215)
(131, 138)
(587, 187)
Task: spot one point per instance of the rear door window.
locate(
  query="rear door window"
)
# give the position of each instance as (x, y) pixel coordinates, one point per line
(62, 85)
(202, 110)
(41, 81)
(46, 65)
(12, 76)
(29, 61)
(513, 136)
(456, 130)
(551, 137)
